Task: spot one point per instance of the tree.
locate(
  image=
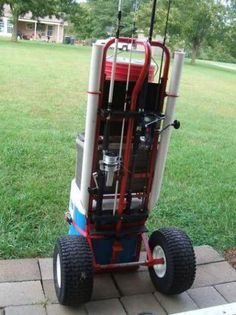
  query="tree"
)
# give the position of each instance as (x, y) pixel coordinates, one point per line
(144, 18)
(230, 30)
(39, 8)
(201, 22)
(80, 21)
(104, 15)
(191, 22)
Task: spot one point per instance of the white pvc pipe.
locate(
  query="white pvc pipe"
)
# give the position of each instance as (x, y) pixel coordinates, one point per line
(165, 137)
(91, 118)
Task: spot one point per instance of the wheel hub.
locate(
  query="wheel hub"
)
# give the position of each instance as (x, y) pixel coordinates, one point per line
(160, 269)
(58, 271)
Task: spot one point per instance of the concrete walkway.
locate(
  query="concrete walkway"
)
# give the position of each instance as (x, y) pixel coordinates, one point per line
(26, 288)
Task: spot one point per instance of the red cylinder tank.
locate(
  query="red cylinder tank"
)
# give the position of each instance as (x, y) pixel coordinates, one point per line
(122, 67)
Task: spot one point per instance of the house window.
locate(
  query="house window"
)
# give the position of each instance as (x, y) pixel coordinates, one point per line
(41, 27)
(30, 26)
(9, 27)
(50, 30)
(1, 26)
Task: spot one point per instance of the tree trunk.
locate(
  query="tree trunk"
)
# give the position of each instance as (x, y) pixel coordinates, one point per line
(15, 28)
(194, 53)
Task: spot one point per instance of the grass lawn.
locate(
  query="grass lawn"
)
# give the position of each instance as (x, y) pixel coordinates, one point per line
(42, 108)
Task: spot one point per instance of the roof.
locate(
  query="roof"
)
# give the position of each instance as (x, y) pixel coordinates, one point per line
(28, 16)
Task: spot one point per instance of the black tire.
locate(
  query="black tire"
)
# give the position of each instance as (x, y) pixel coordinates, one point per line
(76, 269)
(178, 273)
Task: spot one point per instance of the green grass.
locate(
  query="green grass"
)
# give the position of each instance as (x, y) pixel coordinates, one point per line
(42, 108)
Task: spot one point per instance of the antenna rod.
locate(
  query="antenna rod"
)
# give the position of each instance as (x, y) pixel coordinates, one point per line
(164, 40)
(111, 92)
(106, 132)
(152, 20)
(112, 81)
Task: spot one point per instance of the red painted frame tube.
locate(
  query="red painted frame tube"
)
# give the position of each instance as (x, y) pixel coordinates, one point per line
(127, 149)
(79, 230)
(128, 146)
(149, 262)
(159, 261)
(106, 47)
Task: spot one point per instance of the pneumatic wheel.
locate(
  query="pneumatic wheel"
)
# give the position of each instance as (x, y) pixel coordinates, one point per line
(73, 270)
(177, 273)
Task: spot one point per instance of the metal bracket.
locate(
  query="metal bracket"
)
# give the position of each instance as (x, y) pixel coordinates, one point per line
(68, 217)
(95, 176)
(157, 119)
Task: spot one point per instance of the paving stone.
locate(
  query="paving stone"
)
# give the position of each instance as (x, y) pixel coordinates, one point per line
(212, 274)
(176, 303)
(206, 254)
(228, 290)
(105, 307)
(226, 309)
(25, 310)
(134, 283)
(21, 293)
(46, 268)
(49, 291)
(145, 303)
(19, 270)
(57, 309)
(206, 297)
(104, 288)
(143, 257)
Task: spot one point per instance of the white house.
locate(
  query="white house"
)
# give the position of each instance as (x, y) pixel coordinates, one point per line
(47, 28)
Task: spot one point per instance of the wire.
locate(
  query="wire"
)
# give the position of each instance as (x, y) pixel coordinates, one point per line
(157, 67)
